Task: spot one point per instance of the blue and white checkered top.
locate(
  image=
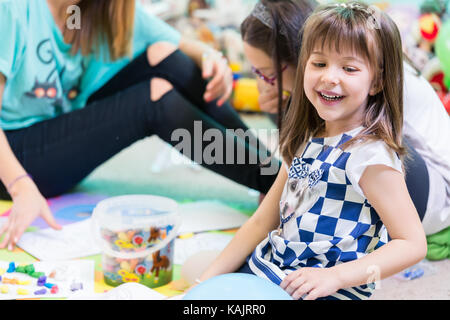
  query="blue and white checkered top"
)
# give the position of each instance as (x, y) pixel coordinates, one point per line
(325, 218)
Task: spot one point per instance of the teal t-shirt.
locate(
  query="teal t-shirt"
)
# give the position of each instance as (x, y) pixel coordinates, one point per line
(43, 79)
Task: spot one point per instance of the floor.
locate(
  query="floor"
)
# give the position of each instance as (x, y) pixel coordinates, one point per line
(433, 285)
(149, 166)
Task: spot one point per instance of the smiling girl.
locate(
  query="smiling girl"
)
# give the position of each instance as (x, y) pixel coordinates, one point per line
(272, 44)
(322, 230)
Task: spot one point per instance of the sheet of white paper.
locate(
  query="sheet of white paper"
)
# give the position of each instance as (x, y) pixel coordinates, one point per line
(79, 271)
(209, 215)
(73, 241)
(184, 248)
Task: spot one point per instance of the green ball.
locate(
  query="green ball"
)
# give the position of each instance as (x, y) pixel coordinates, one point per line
(442, 48)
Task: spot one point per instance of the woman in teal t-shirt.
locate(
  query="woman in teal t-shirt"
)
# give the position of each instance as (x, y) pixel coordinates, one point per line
(73, 93)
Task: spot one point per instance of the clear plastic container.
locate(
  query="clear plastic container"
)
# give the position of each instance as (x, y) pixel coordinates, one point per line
(136, 234)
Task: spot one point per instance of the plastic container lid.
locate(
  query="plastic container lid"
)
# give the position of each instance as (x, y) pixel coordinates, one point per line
(134, 212)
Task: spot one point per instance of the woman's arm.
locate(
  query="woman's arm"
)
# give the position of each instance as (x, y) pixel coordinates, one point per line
(10, 168)
(194, 49)
(213, 65)
(28, 203)
(265, 219)
(386, 191)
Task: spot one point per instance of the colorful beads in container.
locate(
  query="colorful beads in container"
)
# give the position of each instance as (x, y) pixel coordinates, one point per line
(135, 240)
(137, 234)
(153, 270)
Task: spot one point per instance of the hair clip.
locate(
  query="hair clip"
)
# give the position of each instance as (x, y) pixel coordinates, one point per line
(372, 12)
(261, 13)
(352, 6)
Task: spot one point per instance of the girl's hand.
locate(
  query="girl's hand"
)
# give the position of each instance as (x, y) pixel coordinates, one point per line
(268, 97)
(312, 282)
(215, 66)
(28, 204)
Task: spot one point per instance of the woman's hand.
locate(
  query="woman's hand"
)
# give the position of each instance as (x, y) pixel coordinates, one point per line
(268, 97)
(215, 66)
(28, 204)
(312, 282)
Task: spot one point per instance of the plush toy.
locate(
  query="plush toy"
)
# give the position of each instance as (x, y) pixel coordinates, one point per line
(429, 25)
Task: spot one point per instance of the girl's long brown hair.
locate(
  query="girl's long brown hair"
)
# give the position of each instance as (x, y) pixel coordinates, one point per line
(103, 21)
(375, 38)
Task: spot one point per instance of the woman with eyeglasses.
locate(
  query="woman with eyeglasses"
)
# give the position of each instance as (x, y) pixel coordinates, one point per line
(272, 44)
(272, 35)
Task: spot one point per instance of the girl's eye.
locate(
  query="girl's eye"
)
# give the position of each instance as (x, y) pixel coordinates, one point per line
(293, 185)
(350, 69)
(318, 64)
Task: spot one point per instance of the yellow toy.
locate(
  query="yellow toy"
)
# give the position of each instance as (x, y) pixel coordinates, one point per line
(246, 95)
(23, 292)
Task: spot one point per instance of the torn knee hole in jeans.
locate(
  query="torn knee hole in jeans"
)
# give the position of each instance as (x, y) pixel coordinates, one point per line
(158, 88)
(159, 51)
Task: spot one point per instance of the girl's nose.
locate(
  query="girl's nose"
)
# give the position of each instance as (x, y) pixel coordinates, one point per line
(330, 76)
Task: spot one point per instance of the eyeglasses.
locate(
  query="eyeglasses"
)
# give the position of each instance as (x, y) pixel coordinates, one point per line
(271, 80)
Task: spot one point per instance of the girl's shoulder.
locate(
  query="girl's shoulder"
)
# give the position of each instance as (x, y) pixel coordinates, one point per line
(372, 152)
(370, 148)
(369, 153)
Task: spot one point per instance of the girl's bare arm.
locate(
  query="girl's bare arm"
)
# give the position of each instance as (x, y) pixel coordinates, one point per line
(386, 190)
(265, 219)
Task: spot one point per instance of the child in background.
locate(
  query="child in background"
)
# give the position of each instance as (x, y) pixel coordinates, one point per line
(344, 190)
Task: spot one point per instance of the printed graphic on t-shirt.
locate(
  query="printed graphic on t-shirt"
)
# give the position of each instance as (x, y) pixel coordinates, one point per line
(299, 193)
(48, 90)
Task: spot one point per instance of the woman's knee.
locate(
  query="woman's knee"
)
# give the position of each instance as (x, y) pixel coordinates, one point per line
(158, 51)
(158, 88)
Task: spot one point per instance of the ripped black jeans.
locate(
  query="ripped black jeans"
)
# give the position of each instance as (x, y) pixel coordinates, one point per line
(60, 152)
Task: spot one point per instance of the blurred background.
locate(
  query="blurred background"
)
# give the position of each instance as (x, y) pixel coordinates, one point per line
(217, 22)
(151, 166)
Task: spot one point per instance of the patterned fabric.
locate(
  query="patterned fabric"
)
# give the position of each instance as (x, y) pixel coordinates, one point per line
(324, 220)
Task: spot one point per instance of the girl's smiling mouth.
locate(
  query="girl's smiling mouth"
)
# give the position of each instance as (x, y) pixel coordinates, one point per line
(330, 98)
